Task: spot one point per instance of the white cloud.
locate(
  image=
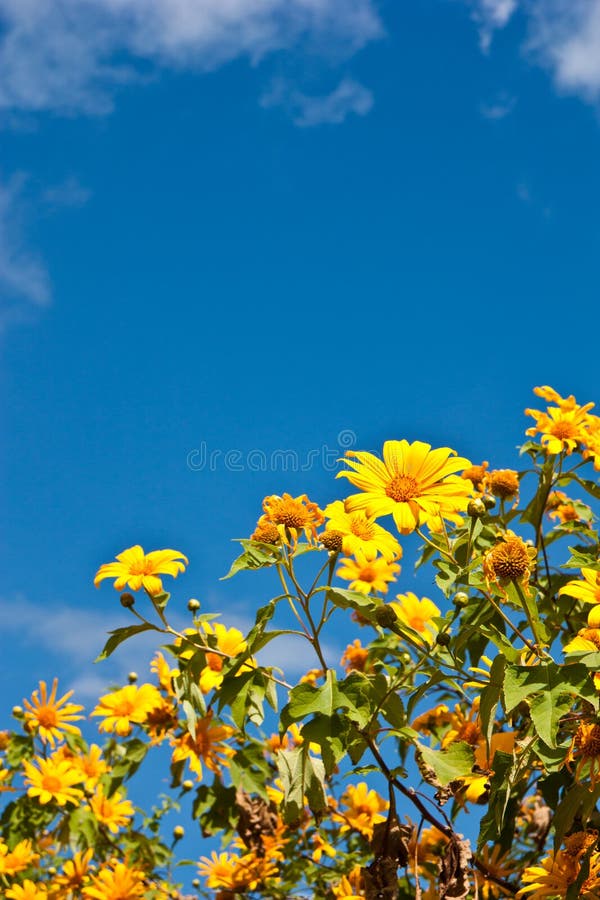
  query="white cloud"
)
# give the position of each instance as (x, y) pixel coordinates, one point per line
(349, 97)
(24, 282)
(69, 56)
(491, 15)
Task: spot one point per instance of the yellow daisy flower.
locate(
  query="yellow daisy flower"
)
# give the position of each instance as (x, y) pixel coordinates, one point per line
(499, 865)
(126, 707)
(365, 576)
(75, 871)
(585, 748)
(135, 569)
(164, 672)
(117, 881)
(510, 559)
(91, 765)
(52, 780)
(564, 426)
(208, 747)
(363, 808)
(417, 614)
(29, 890)
(587, 590)
(291, 516)
(412, 483)
(360, 533)
(235, 873)
(230, 641)
(354, 658)
(49, 717)
(113, 812)
(351, 887)
(19, 858)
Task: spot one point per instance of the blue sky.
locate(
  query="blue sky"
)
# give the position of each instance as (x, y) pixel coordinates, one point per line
(257, 227)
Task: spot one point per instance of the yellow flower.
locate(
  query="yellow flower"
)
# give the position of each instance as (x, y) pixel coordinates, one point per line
(209, 746)
(117, 881)
(498, 864)
(17, 859)
(585, 748)
(413, 483)
(91, 766)
(75, 871)
(587, 640)
(27, 891)
(291, 516)
(365, 576)
(161, 667)
(235, 873)
(44, 715)
(229, 641)
(558, 871)
(476, 474)
(417, 614)
(135, 569)
(112, 811)
(355, 657)
(563, 427)
(351, 887)
(433, 719)
(126, 707)
(464, 727)
(363, 809)
(321, 846)
(312, 676)
(359, 532)
(587, 590)
(477, 786)
(53, 779)
(510, 559)
(265, 532)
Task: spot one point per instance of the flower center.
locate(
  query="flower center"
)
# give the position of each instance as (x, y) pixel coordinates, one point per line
(368, 574)
(592, 635)
(402, 488)
(214, 662)
(291, 515)
(124, 709)
(46, 716)
(510, 560)
(588, 741)
(469, 732)
(51, 783)
(564, 430)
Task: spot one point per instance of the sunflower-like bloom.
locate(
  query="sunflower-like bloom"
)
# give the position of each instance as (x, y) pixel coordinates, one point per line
(417, 614)
(360, 533)
(91, 766)
(587, 640)
(265, 532)
(116, 881)
(49, 717)
(126, 707)
(585, 749)
(433, 720)
(563, 427)
(136, 569)
(351, 887)
(29, 890)
(164, 672)
(476, 786)
(235, 873)
(413, 483)
(208, 747)
(292, 516)
(52, 780)
(498, 864)
(510, 559)
(557, 872)
(476, 474)
(587, 590)
(230, 641)
(321, 846)
(354, 658)
(19, 858)
(365, 576)
(114, 812)
(363, 808)
(75, 872)
(464, 726)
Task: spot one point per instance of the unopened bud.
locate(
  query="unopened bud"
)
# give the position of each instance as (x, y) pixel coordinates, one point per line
(196, 883)
(127, 600)
(17, 712)
(178, 832)
(488, 501)
(443, 639)
(193, 605)
(385, 616)
(460, 600)
(476, 508)
(132, 677)
(52, 870)
(405, 658)
(187, 785)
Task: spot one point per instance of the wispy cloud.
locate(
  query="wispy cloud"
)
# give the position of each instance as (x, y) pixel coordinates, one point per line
(24, 281)
(499, 108)
(348, 98)
(70, 56)
(68, 193)
(491, 15)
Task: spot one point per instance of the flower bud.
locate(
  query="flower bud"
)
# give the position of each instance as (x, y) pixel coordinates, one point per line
(127, 600)
(385, 616)
(196, 883)
(132, 677)
(460, 600)
(443, 639)
(476, 508)
(488, 501)
(187, 785)
(193, 605)
(178, 832)
(17, 712)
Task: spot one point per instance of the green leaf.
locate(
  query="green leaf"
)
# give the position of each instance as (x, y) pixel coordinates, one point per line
(362, 603)
(577, 802)
(329, 733)
(256, 555)
(122, 634)
(490, 697)
(451, 764)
